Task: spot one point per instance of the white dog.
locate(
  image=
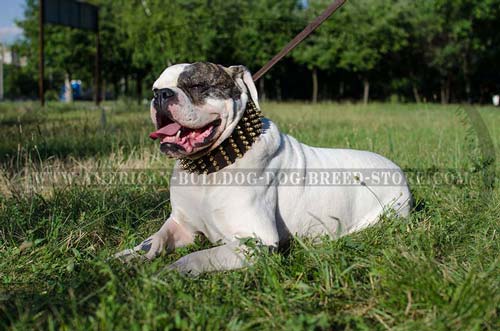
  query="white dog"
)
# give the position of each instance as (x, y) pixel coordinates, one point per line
(208, 118)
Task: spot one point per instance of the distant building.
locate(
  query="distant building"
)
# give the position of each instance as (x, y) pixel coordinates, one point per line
(12, 58)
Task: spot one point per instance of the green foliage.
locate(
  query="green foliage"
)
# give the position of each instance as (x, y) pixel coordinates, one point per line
(266, 26)
(167, 32)
(435, 47)
(18, 82)
(357, 37)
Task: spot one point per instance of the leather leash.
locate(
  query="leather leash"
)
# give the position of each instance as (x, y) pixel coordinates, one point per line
(299, 38)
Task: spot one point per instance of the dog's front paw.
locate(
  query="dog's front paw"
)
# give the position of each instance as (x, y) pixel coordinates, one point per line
(148, 249)
(183, 267)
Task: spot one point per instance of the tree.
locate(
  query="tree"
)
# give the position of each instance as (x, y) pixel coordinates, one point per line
(116, 51)
(356, 39)
(160, 38)
(261, 36)
(420, 49)
(370, 30)
(321, 50)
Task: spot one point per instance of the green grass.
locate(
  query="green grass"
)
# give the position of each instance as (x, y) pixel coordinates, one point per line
(437, 270)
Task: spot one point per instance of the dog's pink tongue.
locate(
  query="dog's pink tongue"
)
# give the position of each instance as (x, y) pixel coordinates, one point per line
(168, 130)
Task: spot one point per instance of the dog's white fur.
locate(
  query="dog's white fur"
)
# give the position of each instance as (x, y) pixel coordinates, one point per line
(269, 213)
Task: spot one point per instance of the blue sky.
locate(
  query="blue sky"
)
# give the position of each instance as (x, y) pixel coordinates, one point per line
(9, 11)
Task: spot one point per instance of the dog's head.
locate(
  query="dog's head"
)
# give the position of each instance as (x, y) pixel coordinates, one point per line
(197, 106)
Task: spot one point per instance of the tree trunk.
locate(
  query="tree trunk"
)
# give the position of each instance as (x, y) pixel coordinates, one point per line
(278, 90)
(262, 90)
(415, 93)
(116, 88)
(341, 89)
(443, 94)
(366, 90)
(103, 90)
(466, 71)
(468, 88)
(314, 85)
(139, 88)
(445, 90)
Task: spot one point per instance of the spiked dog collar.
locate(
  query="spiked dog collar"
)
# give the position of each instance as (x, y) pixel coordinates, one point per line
(248, 129)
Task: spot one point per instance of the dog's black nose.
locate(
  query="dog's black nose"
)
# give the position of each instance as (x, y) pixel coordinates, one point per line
(162, 95)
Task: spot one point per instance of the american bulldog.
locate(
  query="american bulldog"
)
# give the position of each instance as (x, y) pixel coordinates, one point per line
(208, 118)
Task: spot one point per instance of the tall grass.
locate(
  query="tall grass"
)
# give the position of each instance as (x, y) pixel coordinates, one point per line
(437, 270)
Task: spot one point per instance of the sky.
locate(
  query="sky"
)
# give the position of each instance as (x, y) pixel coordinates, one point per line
(10, 10)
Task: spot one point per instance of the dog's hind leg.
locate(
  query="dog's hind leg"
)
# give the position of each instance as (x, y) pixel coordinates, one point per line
(171, 235)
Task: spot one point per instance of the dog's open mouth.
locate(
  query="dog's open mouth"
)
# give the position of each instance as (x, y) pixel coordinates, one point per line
(184, 138)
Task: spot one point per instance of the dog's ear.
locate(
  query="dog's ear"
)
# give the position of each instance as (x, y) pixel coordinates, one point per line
(243, 78)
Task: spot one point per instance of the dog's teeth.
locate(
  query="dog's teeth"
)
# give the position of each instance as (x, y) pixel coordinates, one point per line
(178, 134)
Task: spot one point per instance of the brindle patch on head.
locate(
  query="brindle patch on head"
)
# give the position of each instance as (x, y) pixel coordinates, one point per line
(201, 80)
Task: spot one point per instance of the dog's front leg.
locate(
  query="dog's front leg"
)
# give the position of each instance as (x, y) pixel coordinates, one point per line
(233, 255)
(171, 235)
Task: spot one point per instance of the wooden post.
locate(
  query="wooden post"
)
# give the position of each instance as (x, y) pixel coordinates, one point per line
(97, 64)
(1, 72)
(41, 59)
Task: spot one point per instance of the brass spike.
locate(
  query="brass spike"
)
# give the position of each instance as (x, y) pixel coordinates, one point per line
(239, 155)
(226, 158)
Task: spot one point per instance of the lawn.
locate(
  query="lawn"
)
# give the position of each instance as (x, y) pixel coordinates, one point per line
(437, 270)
